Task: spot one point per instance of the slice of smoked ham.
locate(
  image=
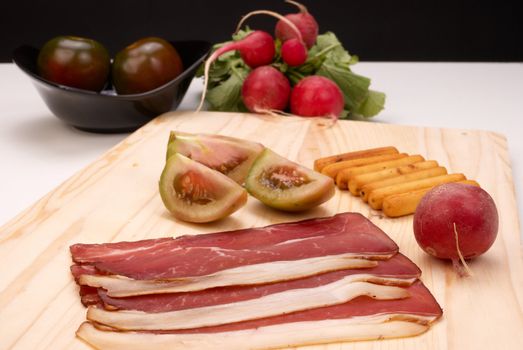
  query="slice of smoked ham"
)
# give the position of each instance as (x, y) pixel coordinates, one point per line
(362, 318)
(182, 262)
(237, 303)
(201, 255)
(252, 256)
(250, 238)
(270, 272)
(271, 337)
(398, 270)
(284, 302)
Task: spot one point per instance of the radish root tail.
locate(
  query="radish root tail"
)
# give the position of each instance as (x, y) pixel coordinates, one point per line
(273, 112)
(463, 269)
(273, 14)
(301, 7)
(206, 68)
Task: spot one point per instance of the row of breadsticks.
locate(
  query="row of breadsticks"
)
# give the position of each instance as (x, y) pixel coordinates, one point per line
(387, 179)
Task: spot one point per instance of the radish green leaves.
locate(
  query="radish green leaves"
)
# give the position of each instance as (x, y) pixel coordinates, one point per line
(327, 58)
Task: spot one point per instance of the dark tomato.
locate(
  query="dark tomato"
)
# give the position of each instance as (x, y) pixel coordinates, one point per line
(73, 61)
(145, 65)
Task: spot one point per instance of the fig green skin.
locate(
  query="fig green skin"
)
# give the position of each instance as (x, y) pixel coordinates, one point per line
(74, 61)
(317, 190)
(231, 156)
(222, 196)
(473, 211)
(145, 65)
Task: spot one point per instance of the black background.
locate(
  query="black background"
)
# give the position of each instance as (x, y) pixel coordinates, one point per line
(462, 30)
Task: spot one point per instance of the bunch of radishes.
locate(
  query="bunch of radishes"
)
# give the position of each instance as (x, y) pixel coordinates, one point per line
(266, 89)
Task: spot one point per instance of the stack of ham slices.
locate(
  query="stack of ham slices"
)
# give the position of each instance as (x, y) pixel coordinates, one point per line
(310, 282)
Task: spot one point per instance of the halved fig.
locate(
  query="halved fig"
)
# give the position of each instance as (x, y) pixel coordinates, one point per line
(228, 155)
(282, 184)
(195, 193)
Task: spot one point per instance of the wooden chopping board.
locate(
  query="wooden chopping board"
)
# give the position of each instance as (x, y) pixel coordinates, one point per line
(116, 198)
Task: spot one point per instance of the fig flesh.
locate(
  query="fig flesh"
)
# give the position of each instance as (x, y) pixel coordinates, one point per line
(195, 193)
(230, 156)
(282, 184)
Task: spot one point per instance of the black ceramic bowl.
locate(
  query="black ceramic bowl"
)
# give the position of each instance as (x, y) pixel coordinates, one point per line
(107, 112)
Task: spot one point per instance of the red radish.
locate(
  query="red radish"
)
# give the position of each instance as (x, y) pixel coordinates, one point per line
(456, 222)
(317, 96)
(293, 52)
(305, 22)
(256, 49)
(266, 89)
(291, 27)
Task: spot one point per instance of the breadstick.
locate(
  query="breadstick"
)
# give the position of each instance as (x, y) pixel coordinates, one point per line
(319, 164)
(345, 175)
(417, 175)
(358, 181)
(405, 203)
(376, 197)
(333, 169)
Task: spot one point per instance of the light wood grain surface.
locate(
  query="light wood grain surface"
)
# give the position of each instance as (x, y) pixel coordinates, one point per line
(116, 198)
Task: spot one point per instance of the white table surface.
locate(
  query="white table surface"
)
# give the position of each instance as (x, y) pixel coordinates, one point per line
(38, 152)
